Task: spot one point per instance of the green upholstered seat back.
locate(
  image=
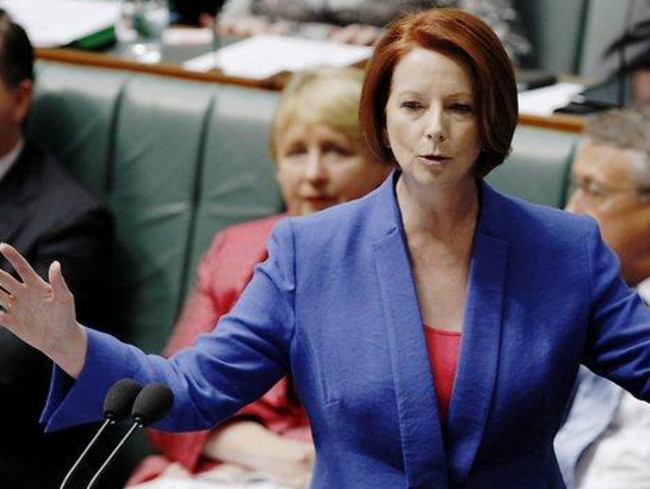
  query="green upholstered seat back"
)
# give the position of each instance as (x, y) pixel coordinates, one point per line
(538, 167)
(74, 115)
(237, 181)
(159, 133)
(175, 160)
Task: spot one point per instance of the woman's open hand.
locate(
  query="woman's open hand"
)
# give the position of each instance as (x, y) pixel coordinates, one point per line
(42, 314)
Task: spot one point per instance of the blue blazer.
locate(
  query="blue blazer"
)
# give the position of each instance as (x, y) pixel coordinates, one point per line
(335, 304)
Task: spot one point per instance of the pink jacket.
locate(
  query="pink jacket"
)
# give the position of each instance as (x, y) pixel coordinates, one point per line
(224, 271)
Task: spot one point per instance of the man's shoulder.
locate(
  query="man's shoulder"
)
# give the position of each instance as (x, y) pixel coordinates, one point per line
(56, 183)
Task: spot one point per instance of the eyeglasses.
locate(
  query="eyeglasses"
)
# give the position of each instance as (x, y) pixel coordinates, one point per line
(599, 195)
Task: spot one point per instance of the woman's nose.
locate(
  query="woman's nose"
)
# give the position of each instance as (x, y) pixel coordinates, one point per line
(315, 170)
(436, 127)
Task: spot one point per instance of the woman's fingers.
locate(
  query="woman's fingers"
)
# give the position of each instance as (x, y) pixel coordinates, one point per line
(24, 270)
(57, 282)
(42, 314)
(9, 283)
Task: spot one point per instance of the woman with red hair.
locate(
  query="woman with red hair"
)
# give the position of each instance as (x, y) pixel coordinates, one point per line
(433, 328)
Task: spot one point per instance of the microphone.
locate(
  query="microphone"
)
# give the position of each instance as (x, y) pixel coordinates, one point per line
(152, 404)
(117, 404)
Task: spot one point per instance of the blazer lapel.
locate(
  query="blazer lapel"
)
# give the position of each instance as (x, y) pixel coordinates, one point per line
(478, 362)
(419, 421)
(426, 462)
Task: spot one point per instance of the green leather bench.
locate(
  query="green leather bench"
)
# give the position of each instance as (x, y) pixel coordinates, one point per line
(179, 160)
(538, 169)
(175, 160)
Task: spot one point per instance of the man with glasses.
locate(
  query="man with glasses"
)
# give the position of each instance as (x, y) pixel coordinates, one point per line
(605, 441)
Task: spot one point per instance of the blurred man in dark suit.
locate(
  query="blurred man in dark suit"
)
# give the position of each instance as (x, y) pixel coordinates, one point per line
(48, 216)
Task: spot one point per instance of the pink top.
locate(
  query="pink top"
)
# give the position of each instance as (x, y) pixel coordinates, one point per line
(443, 347)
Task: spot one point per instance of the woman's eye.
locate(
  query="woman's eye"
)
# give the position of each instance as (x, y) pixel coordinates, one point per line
(295, 150)
(462, 108)
(411, 105)
(594, 190)
(338, 150)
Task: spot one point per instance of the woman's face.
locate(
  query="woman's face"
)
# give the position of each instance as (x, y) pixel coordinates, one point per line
(431, 119)
(318, 166)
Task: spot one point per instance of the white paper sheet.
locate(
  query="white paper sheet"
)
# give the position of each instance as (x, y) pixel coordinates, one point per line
(187, 36)
(542, 101)
(51, 23)
(260, 57)
(170, 483)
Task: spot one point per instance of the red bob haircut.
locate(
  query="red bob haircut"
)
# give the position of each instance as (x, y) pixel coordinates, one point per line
(467, 39)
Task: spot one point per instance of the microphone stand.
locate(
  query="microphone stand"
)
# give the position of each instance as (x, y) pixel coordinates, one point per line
(81, 457)
(151, 404)
(118, 401)
(110, 458)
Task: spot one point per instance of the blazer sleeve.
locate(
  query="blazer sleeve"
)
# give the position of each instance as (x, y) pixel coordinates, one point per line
(273, 410)
(206, 303)
(618, 336)
(230, 367)
(199, 315)
(201, 310)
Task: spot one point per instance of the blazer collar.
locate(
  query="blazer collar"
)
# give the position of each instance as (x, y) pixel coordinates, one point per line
(429, 462)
